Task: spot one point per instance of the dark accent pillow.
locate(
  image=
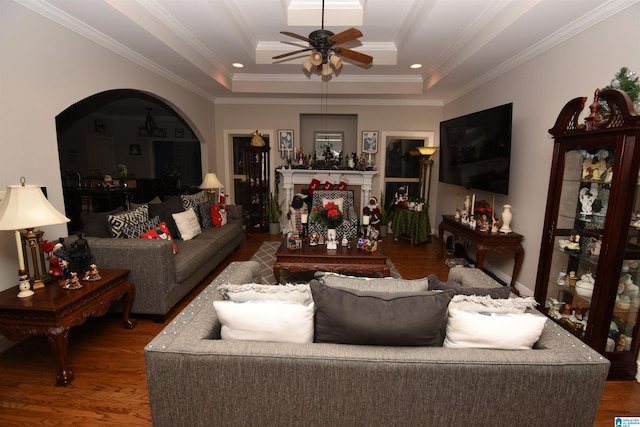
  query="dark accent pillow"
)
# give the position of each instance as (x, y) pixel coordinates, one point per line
(379, 318)
(203, 213)
(95, 224)
(435, 284)
(164, 210)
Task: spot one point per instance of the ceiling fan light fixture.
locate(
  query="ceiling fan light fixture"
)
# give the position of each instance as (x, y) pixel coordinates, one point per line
(336, 61)
(307, 65)
(326, 69)
(316, 58)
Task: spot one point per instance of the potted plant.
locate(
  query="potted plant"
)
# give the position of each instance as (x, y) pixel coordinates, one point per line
(274, 212)
(385, 216)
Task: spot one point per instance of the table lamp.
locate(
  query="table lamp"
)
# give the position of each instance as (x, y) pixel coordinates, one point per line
(211, 183)
(24, 208)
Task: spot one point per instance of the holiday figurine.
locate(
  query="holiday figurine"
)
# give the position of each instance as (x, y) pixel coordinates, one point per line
(92, 275)
(401, 197)
(372, 210)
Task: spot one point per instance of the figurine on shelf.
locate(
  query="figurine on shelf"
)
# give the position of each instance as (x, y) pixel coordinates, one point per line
(92, 275)
(80, 254)
(73, 282)
(25, 287)
(313, 239)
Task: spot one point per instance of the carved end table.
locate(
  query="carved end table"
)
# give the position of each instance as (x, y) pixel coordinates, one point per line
(53, 311)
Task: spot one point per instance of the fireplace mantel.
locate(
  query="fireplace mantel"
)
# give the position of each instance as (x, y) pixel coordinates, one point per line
(363, 179)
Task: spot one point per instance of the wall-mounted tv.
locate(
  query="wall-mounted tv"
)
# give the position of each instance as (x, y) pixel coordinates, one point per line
(475, 150)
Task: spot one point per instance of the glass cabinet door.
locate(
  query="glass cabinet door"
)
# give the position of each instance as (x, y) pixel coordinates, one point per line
(577, 238)
(624, 319)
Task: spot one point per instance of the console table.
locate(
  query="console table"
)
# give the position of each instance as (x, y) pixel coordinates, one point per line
(484, 241)
(52, 311)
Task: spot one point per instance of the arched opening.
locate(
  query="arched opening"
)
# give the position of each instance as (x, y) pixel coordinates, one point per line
(123, 146)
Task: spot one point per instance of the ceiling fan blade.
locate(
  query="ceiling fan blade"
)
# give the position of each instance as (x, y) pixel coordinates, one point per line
(297, 36)
(356, 56)
(284, 55)
(346, 36)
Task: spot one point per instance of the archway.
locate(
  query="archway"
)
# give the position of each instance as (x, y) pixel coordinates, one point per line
(120, 131)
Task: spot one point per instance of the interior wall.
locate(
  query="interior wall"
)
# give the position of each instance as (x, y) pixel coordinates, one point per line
(539, 89)
(51, 69)
(267, 119)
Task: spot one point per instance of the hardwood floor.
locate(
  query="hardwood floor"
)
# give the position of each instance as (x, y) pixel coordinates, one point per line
(108, 362)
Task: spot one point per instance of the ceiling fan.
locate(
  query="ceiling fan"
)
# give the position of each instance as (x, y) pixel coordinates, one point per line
(324, 46)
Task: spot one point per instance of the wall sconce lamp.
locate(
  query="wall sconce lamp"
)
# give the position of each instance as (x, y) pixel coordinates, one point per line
(211, 183)
(24, 208)
(256, 140)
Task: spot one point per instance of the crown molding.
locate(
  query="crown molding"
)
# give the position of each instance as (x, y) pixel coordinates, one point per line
(397, 102)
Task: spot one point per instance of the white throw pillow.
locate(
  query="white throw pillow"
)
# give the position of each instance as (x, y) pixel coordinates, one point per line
(276, 321)
(187, 223)
(339, 201)
(492, 330)
(257, 291)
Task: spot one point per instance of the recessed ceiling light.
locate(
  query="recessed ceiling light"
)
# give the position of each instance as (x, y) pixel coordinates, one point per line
(416, 66)
(237, 65)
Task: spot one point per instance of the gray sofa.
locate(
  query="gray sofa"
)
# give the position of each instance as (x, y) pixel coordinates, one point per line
(196, 379)
(162, 279)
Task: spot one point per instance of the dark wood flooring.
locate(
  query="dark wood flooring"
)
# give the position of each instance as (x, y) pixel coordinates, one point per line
(108, 362)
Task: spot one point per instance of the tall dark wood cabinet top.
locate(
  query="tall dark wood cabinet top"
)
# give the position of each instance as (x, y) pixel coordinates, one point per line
(589, 268)
(257, 171)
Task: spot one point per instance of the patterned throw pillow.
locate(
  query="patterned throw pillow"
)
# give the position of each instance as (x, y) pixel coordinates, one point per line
(193, 200)
(203, 211)
(160, 232)
(120, 223)
(134, 231)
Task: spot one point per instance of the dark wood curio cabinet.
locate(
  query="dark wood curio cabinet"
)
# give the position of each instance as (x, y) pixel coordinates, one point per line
(257, 171)
(589, 268)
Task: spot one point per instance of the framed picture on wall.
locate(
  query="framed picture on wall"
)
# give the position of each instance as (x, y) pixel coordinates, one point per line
(370, 141)
(285, 139)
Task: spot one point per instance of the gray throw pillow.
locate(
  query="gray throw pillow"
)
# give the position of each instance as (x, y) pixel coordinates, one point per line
(95, 224)
(388, 284)
(379, 318)
(435, 284)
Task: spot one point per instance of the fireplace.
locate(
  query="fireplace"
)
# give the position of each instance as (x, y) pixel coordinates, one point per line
(359, 181)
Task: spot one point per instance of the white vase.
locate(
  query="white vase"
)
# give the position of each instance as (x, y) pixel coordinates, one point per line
(507, 216)
(331, 235)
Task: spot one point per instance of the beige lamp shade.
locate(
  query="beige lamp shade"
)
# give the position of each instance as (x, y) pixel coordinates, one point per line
(326, 69)
(315, 58)
(24, 207)
(336, 61)
(211, 181)
(307, 65)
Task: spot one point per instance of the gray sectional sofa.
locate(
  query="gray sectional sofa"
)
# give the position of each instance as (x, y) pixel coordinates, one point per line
(196, 379)
(162, 279)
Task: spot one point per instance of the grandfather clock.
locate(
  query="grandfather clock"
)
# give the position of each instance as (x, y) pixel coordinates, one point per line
(257, 173)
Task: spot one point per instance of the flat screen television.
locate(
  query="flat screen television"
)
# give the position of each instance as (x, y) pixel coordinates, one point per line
(475, 150)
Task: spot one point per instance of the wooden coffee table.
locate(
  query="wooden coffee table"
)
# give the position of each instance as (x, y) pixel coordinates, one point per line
(341, 260)
(53, 311)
